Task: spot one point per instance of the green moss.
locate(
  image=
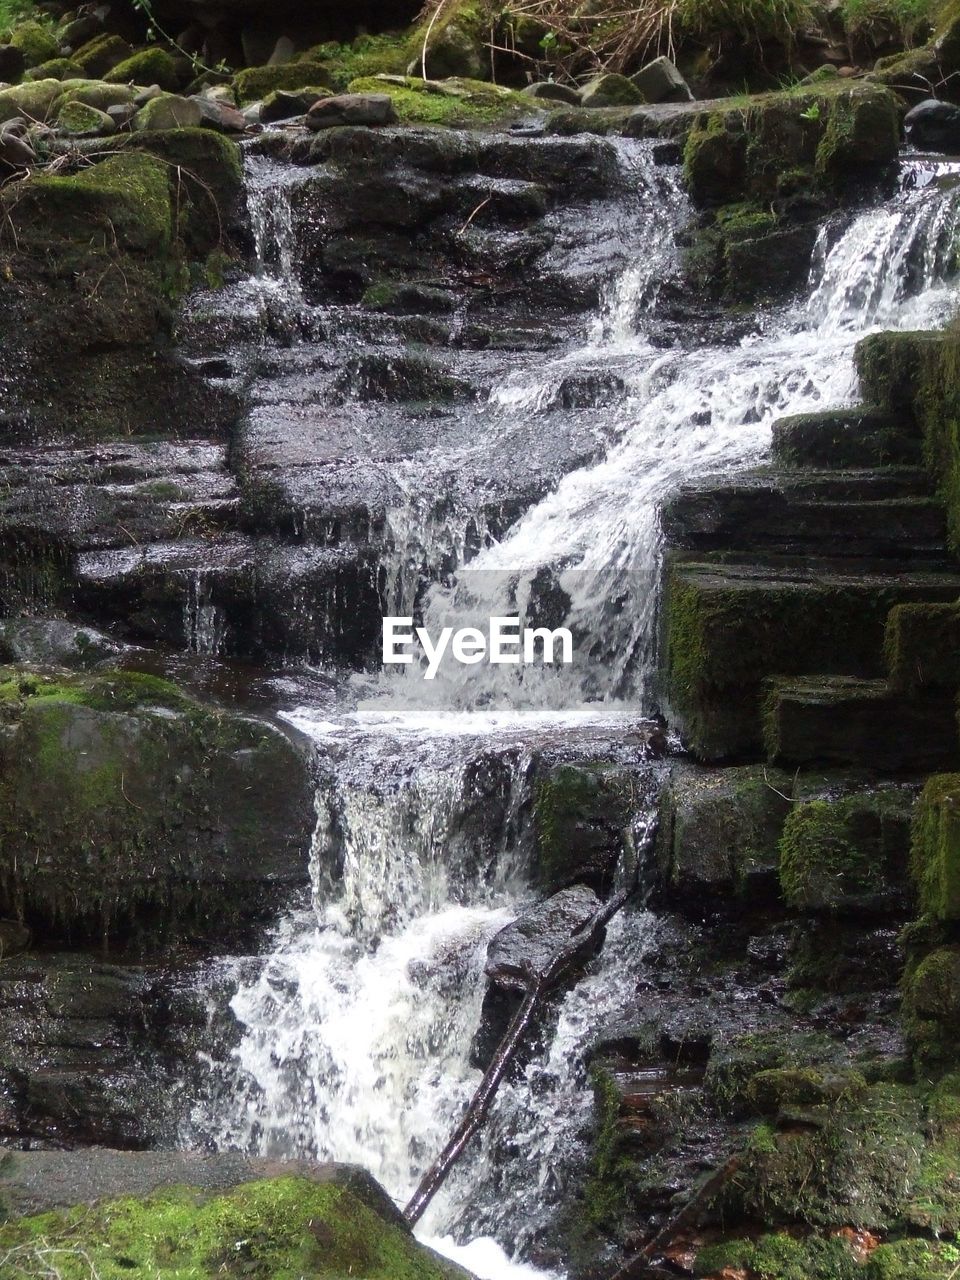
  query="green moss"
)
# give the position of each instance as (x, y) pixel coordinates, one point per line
(606, 1192)
(780, 1257)
(922, 646)
(764, 19)
(92, 93)
(147, 67)
(846, 851)
(55, 69)
(281, 1229)
(930, 1008)
(912, 1260)
(77, 118)
(365, 56)
(255, 83)
(579, 813)
(455, 103)
(97, 56)
(935, 853)
(33, 100)
(736, 1062)
(35, 41)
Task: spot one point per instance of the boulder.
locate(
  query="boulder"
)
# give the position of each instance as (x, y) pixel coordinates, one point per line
(55, 69)
(12, 63)
(285, 104)
(219, 115)
(81, 121)
(352, 109)
(253, 84)
(93, 93)
(660, 81)
(33, 101)
(130, 809)
(524, 949)
(56, 642)
(452, 50)
(169, 112)
(148, 66)
(101, 54)
(934, 126)
(580, 814)
(548, 91)
(35, 42)
(611, 90)
(15, 152)
(931, 1008)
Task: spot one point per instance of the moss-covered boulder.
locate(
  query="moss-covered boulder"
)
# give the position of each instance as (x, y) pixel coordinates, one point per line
(34, 100)
(101, 54)
(917, 376)
(828, 134)
(146, 67)
(93, 93)
(456, 103)
(580, 814)
(935, 858)
(931, 1007)
(81, 121)
(169, 111)
(847, 853)
(55, 69)
(127, 807)
(922, 646)
(746, 252)
(718, 833)
(736, 1061)
(256, 83)
(284, 1228)
(36, 42)
(610, 90)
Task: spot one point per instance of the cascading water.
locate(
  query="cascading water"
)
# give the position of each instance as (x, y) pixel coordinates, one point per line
(357, 1028)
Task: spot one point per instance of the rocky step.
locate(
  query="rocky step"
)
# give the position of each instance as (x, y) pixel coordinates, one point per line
(869, 513)
(840, 720)
(840, 438)
(730, 626)
(238, 597)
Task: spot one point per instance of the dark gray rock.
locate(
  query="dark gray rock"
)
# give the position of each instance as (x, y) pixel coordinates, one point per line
(524, 949)
(285, 104)
(660, 81)
(550, 92)
(12, 64)
(934, 126)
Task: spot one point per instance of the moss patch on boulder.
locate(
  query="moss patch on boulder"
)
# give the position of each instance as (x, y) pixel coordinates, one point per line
(580, 814)
(35, 41)
(931, 1007)
(935, 856)
(127, 807)
(148, 66)
(456, 103)
(284, 1228)
(255, 83)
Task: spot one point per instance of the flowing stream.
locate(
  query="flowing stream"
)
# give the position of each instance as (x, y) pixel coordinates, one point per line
(356, 1027)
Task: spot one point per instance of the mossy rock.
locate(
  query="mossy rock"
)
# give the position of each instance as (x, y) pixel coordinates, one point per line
(847, 853)
(33, 99)
(55, 69)
(36, 42)
(779, 1257)
(455, 103)
(771, 1091)
(365, 56)
(168, 111)
(102, 54)
(78, 119)
(917, 375)
(611, 90)
(455, 42)
(285, 1228)
(734, 1063)
(931, 1007)
(935, 856)
(911, 1259)
(93, 93)
(833, 133)
(922, 646)
(255, 83)
(126, 806)
(580, 813)
(146, 67)
(719, 831)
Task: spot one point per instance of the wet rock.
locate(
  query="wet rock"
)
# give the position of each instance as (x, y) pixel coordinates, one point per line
(660, 81)
(169, 112)
(610, 90)
(931, 1007)
(523, 950)
(934, 126)
(284, 104)
(166, 818)
(859, 437)
(56, 642)
(12, 63)
(935, 862)
(351, 109)
(580, 814)
(548, 91)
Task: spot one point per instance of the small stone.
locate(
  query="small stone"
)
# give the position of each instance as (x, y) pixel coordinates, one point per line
(660, 81)
(81, 121)
(169, 112)
(849, 72)
(147, 94)
(353, 109)
(551, 92)
(611, 90)
(283, 52)
(285, 104)
(934, 125)
(219, 93)
(122, 114)
(12, 63)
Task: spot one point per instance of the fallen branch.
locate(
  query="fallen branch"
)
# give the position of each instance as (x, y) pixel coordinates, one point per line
(537, 987)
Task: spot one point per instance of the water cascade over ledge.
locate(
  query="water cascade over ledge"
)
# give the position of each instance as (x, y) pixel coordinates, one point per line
(357, 1029)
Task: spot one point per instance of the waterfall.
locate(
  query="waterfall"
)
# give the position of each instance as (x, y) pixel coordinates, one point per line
(356, 1027)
